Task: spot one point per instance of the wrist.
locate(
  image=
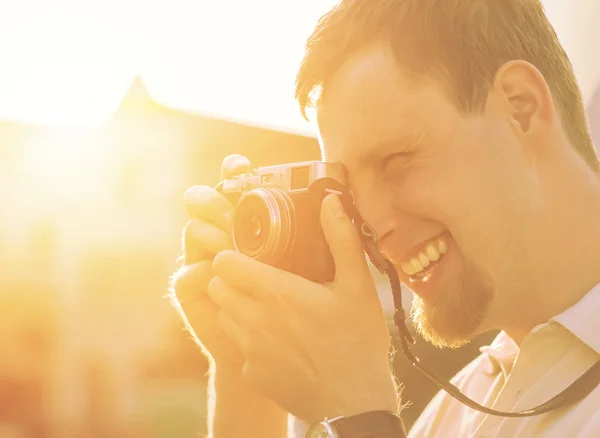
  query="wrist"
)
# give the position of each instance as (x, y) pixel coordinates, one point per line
(234, 406)
(230, 380)
(372, 424)
(380, 395)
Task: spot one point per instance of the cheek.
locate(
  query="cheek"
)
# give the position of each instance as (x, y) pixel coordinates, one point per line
(478, 200)
(462, 190)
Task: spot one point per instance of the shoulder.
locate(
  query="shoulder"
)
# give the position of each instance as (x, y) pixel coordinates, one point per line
(445, 416)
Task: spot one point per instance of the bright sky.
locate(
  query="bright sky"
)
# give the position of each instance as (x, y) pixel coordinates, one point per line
(69, 62)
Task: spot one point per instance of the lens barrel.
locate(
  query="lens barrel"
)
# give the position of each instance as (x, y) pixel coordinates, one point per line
(264, 225)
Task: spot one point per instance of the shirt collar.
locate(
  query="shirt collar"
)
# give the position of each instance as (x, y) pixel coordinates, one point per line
(501, 353)
(583, 319)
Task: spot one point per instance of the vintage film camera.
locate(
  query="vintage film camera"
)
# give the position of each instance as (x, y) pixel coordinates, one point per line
(277, 215)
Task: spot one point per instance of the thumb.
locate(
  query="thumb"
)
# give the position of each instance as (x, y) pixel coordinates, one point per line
(234, 165)
(344, 242)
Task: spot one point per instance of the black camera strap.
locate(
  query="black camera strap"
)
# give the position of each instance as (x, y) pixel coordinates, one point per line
(577, 391)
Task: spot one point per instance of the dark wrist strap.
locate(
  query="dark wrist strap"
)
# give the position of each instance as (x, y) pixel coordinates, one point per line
(374, 424)
(577, 391)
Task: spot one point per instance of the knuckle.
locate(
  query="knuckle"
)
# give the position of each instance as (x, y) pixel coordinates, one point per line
(207, 204)
(199, 195)
(191, 279)
(192, 231)
(200, 238)
(214, 286)
(198, 232)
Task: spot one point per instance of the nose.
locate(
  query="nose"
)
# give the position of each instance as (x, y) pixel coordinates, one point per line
(376, 209)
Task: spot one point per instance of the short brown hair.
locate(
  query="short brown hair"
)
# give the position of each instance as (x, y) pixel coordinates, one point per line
(461, 42)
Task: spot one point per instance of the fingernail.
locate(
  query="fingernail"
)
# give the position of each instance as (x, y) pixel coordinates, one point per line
(334, 206)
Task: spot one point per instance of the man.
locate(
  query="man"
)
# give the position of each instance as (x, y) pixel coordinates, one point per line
(463, 132)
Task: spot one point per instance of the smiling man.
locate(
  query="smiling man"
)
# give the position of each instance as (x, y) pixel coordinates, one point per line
(467, 147)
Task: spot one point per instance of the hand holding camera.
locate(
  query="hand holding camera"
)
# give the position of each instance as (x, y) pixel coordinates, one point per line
(293, 293)
(297, 297)
(207, 233)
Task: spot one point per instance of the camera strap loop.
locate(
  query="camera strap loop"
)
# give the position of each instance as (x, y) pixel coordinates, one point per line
(577, 391)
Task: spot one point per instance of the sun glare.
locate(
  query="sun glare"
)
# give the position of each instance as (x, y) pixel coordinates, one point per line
(68, 63)
(64, 62)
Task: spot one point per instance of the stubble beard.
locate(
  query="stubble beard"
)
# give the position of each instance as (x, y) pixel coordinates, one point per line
(456, 316)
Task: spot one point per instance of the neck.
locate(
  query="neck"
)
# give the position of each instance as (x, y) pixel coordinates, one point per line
(566, 242)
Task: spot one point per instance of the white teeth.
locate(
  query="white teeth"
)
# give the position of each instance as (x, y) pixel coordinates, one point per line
(416, 265)
(406, 267)
(412, 267)
(431, 253)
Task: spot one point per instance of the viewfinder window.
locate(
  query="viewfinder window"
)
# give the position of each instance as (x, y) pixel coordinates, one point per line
(300, 177)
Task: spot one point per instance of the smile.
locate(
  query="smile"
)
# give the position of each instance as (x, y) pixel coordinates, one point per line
(425, 258)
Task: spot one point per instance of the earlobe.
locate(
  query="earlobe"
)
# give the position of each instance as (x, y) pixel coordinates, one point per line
(525, 95)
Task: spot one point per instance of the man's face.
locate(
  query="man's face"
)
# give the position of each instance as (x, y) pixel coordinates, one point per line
(447, 193)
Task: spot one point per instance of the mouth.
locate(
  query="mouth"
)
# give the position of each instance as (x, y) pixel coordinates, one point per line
(425, 268)
(423, 260)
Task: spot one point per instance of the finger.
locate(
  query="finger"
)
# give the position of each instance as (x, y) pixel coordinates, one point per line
(192, 256)
(207, 204)
(234, 165)
(189, 283)
(189, 297)
(343, 240)
(233, 330)
(252, 276)
(202, 240)
(241, 306)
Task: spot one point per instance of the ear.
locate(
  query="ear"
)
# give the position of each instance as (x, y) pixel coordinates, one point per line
(524, 96)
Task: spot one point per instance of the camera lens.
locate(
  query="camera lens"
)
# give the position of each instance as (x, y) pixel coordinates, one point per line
(264, 225)
(251, 233)
(256, 225)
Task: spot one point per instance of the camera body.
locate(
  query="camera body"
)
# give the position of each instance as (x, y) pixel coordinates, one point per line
(277, 215)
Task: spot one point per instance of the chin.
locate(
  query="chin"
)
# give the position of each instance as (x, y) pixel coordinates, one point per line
(440, 329)
(457, 317)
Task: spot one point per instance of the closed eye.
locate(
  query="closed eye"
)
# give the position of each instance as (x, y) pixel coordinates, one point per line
(389, 158)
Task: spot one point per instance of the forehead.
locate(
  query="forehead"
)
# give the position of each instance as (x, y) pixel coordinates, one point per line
(372, 101)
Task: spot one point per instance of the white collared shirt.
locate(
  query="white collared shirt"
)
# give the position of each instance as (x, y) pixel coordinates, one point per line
(508, 378)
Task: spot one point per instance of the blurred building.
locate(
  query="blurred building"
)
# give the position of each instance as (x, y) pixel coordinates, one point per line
(89, 236)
